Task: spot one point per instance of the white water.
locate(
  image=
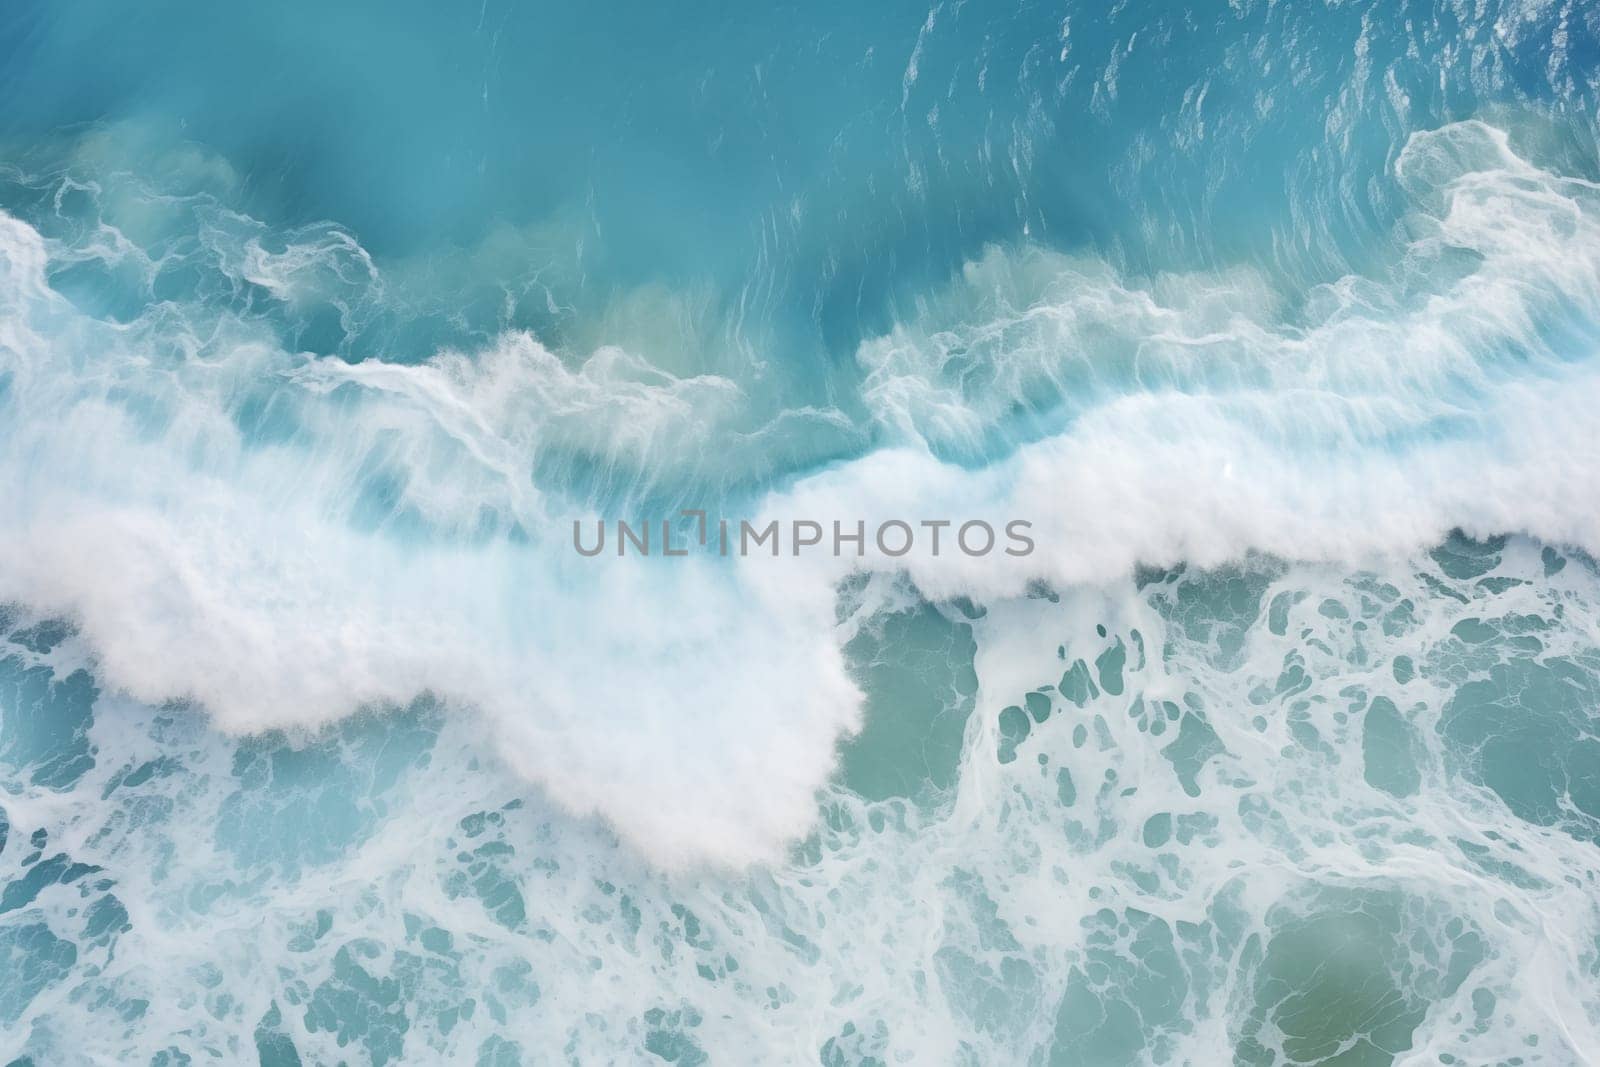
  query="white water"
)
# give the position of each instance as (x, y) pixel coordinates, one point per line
(245, 569)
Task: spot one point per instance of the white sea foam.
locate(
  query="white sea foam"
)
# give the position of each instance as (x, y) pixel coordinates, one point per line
(284, 539)
(1459, 395)
(245, 578)
(914, 934)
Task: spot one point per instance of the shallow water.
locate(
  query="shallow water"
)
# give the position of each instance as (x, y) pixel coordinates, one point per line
(318, 330)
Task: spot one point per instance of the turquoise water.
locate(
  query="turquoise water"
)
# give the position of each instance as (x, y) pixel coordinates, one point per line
(321, 324)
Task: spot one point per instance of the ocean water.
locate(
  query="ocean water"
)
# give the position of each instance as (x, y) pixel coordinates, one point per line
(321, 324)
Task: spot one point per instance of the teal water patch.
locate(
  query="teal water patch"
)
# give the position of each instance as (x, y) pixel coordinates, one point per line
(310, 803)
(1129, 999)
(274, 1047)
(45, 718)
(1391, 749)
(915, 667)
(486, 872)
(1350, 981)
(1462, 557)
(1197, 743)
(1525, 731)
(33, 959)
(357, 1006)
(1217, 611)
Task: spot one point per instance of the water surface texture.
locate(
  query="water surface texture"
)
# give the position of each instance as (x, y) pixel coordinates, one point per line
(320, 324)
